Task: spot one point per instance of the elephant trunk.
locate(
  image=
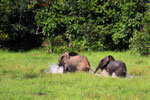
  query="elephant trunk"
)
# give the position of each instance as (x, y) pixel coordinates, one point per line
(61, 64)
(96, 69)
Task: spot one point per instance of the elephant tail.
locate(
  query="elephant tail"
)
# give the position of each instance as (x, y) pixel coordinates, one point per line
(89, 66)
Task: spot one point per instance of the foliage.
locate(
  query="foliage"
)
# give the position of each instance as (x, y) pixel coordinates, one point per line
(94, 24)
(141, 39)
(17, 24)
(5, 13)
(82, 24)
(140, 43)
(17, 19)
(3, 36)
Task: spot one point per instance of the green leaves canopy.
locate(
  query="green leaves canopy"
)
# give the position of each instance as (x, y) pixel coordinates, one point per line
(101, 24)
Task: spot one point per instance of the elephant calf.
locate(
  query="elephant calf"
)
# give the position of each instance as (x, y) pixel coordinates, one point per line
(113, 67)
(72, 62)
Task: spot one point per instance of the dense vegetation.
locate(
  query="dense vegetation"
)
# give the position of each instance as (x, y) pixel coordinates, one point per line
(23, 77)
(78, 25)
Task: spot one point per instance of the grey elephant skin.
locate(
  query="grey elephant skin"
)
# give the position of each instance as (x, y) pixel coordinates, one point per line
(113, 67)
(72, 62)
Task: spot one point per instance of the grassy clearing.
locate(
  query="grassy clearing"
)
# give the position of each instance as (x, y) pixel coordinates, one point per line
(22, 76)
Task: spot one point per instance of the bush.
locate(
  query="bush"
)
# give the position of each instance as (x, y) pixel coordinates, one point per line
(92, 24)
(140, 43)
(18, 25)
(82, 24)
(141, 39)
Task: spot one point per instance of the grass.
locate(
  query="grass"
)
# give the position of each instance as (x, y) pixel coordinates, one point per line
(22, 77)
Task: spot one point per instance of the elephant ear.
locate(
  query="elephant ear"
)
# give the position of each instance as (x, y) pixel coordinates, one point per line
(111, 58)
(63, 56)
(72, 54)
(66, 55)
(104, 62)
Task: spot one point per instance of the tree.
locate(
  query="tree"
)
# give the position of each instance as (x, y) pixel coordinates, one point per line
(140, 43)
(93, 24)
(17, 24)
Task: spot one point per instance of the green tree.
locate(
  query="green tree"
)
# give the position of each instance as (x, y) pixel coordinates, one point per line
(140, 43)
(4, 20)
(93, 24)
(17, 24)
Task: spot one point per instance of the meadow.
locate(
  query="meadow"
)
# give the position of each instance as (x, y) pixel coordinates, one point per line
(22, 77)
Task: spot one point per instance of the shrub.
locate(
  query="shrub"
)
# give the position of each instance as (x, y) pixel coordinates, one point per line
(140, 43)
(141, 39)
(92, 24)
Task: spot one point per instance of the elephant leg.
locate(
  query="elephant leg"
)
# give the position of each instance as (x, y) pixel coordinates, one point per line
(65, 70)
(104, 73)
(120, 72)
(114, 75)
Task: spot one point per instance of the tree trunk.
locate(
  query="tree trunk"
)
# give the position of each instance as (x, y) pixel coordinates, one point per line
(50, 45)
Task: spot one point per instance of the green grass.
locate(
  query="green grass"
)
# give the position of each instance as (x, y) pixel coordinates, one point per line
(22, 77)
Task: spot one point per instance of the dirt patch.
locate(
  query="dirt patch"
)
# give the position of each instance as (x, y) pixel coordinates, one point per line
(39, 94)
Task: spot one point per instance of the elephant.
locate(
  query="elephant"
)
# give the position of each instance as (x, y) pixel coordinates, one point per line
(72, 62)
(113, 67)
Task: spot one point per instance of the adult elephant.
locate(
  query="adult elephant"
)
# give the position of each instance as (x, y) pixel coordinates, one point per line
(72, 62)
(112, 67)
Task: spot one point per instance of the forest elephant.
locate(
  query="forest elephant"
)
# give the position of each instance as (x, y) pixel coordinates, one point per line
(72, 62)
(112, 67)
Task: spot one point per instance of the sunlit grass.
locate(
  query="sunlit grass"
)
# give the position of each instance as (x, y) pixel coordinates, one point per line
(22, 76)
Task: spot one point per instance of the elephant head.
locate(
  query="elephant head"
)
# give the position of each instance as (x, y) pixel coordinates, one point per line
(65, 57)
(104, 62)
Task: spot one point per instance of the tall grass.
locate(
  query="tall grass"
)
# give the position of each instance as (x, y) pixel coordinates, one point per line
(22, 76)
